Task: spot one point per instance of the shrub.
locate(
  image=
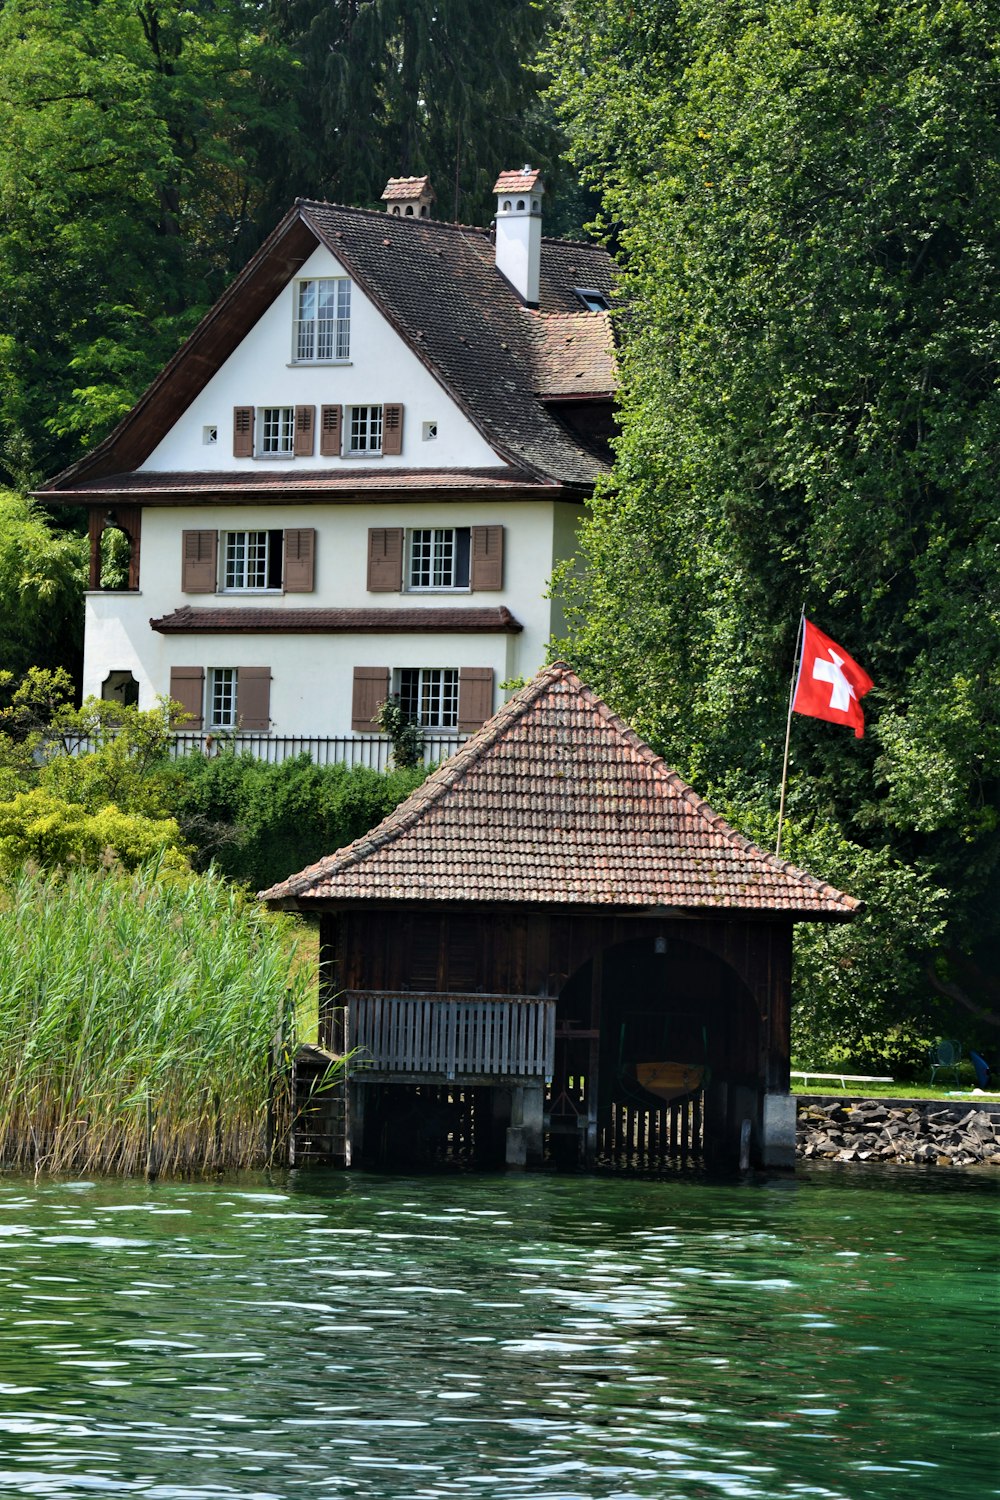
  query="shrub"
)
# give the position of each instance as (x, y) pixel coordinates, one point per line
(260, 822)
(39, 827)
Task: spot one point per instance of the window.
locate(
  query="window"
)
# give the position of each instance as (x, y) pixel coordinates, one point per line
(365, 429)
(222, 698)
(430, 696)
(277, 432)
(210, 435)
(323, 319)
(592, 299)
(439, 558)
(252, 561)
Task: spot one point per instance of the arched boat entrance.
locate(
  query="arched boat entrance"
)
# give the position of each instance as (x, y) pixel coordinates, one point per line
(653, 1034)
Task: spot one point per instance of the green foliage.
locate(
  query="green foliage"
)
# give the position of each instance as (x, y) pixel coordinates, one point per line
(260, 822)
(806, 196)
(405, 733)
(42, 578)
(139, 1019)
(43, 829)
(109, 752)
(150, 146)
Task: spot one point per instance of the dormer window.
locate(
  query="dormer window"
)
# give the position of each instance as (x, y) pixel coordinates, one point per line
(322, 320)
(592, 299)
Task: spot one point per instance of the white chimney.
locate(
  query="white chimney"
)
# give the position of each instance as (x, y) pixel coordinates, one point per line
(519, 230)
(409, 197)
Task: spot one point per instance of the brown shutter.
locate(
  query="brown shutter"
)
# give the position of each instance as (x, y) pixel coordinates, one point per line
(199, 551)
(329, 432)
(300, 560)
(371, 689)
(487, 557)
(187, 687)
(392, 430)
(475, 696)
(304, 440)
(243, 431)
(253, 697)
(385, 559)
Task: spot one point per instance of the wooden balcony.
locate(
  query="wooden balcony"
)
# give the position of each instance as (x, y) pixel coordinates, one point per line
(431, 1038)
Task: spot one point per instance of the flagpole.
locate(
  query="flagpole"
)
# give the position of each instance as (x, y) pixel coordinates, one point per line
(788, 726)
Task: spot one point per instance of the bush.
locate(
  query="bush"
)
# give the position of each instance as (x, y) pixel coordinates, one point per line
(260, 822)
(45, 830)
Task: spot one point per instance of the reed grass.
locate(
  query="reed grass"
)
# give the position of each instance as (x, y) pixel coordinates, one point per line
(146, 1022)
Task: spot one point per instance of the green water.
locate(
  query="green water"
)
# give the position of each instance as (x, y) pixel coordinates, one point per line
(564, 1338)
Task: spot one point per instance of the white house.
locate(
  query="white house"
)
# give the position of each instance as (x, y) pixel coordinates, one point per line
(357, 474)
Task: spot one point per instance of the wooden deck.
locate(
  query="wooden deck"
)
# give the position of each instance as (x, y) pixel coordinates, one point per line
(404, 1037)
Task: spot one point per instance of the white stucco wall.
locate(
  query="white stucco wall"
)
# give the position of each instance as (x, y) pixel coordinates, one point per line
(312, 675)
(382, 368)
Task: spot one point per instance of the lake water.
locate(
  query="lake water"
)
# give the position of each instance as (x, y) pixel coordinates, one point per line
(501, 1337)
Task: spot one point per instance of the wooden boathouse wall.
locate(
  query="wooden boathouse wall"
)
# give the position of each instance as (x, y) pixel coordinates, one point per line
(375, 960)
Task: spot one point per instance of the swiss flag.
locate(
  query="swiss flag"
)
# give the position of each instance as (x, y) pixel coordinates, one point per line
(830, 683)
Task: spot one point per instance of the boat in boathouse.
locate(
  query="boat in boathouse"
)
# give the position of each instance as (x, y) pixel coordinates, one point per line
(554, 951)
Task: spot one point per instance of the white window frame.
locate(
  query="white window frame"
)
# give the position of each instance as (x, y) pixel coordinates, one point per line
(428, 694)
(275, 432)
(317, 337)
(248, 554)
(364, 422)
(432, 555)
(221, 692)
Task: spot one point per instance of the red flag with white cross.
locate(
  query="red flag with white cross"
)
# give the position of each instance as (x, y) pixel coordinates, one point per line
(830, 683)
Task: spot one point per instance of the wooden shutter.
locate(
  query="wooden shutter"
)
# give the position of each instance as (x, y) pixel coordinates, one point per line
(243, 431)
(329, 431)
(385, 559)
(199, 561)
(371, 689)
(475, 696)
(187, 687)
(304, 441)
(253, 697)
(486, 570)
(300, 560)
(392, 430)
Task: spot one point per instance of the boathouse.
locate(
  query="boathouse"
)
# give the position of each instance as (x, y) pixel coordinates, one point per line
(555, 950)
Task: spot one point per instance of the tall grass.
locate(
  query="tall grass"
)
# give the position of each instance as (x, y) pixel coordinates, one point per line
(143, 1018)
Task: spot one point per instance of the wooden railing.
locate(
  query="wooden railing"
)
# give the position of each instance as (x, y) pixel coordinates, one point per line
(412, 1037)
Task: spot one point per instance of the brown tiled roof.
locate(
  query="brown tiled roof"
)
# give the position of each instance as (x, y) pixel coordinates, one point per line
(522, 180)
(509, 483)
(574, 354)
(556, 801)
(407, 187)
(492, 620)
(438, 286)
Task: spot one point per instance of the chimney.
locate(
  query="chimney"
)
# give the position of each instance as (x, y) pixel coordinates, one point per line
(409, 197)
(519, 231)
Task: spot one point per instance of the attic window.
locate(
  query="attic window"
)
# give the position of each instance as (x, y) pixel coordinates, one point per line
(592, 299)
(322, 320)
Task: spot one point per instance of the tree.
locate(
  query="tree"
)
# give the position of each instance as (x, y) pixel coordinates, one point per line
(402, 87)
(42, 579)
(806, 199)
(139, 141)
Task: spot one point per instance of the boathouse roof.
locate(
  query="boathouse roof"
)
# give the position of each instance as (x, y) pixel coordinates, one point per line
(556, 801)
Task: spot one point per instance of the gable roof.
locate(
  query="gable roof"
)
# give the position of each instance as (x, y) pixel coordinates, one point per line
(556, 801)
(438, 287)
